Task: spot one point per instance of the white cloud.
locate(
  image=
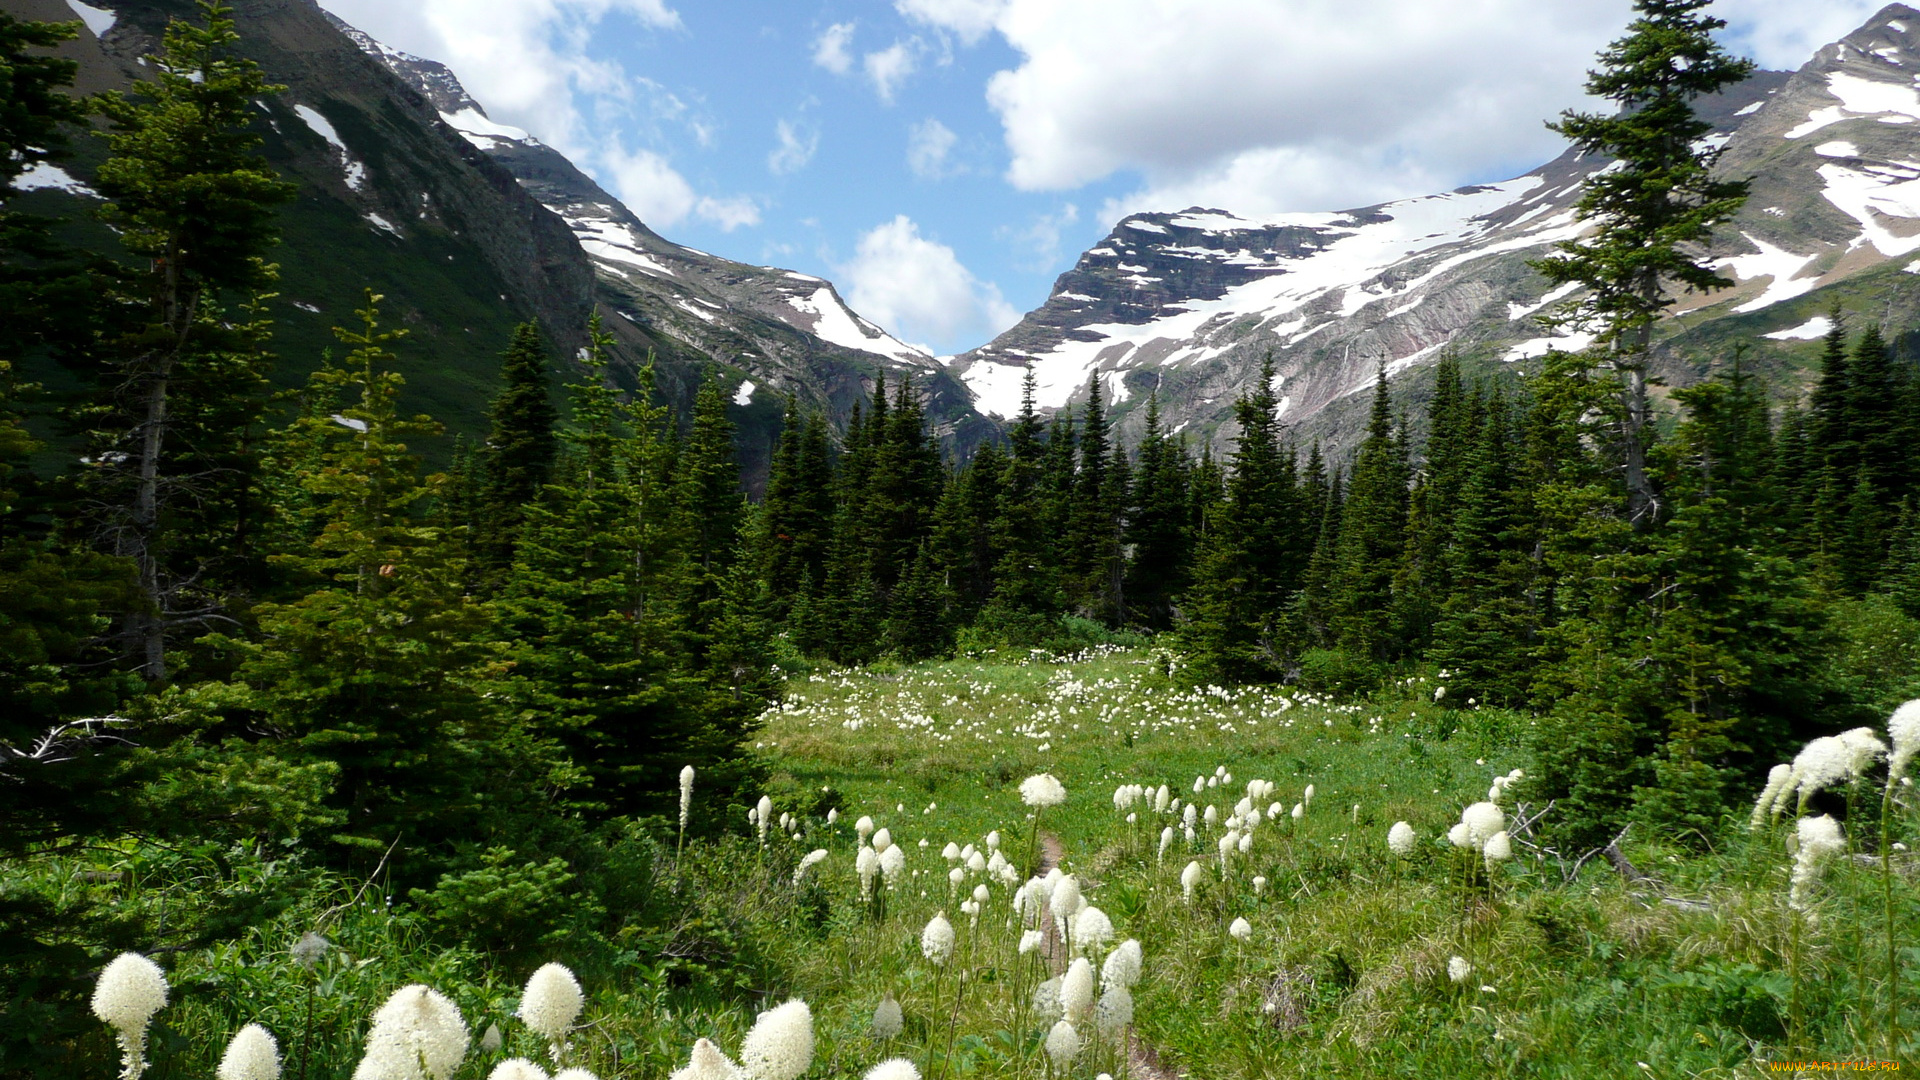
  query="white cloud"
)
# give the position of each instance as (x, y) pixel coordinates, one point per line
(890, 67)
(1039, 243)
(730, 213)
(830, 49)
(917, 288)
(794, 149)
(970, 20)
(928, 143)
(1784, 34)
(649, 185)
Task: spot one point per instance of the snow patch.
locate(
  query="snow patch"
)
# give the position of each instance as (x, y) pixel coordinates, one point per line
(834, 323)
(482, 132)
(1144, 226)
(1837, 148)
(42, 175)
(1750, 109)
(98, 19)
(1771, 262)
(304, 306)
(356, 173)
(611, 242)
(1527, 350)
(379, 222)
(1815, 327)
(744, 395)
(694, 310)
(1869, 199)
(1860, 97)
(1520, 311)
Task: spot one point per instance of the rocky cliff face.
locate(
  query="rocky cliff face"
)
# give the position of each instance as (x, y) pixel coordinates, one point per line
(1188, 304)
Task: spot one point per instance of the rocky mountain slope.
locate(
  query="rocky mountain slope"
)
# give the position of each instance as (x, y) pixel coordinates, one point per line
(781, 331)
(468, 227)
(1187, 304)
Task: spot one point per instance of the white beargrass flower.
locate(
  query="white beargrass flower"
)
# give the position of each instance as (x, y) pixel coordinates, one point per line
(1188, 879)
(981, 894)
(1241, 930)
(1042, 791)
(1229, 843)
(1401, 838)
(1259, 884)
(866, 864)
(417, 1035)
(1482, 820)
(1820, 764)
(310, 950)
(1246, 843)
(707, 1063)
(1307, 797)
(763, 816)
(976, 863)
(1299, 811)
(1063, 1045)
(1161, 799)
(130, 990)
(1778, 782)
(993, 840)
(1903, 727)
(1460, 836)
(550, 1005)
(887, 1021)
(1820, 839)
(1123, 965)
(1459, 970)
(491, 1039)
(1076, 991)
(1091, 930)
(1188, 815)
(951, 852)
(1046, 997)
(864, 827)
(686, 794)
(1212, 816)
(252, 1055)
(1065, 900)
(882, 840)
(1498, 849)
(892, 862)
(833, 815)
(517, 1069)
(808, 862)
(780, 1046)
(1030, 940)
(1199, 784)
(1166, 841)
(1114, 1011)
(894, 1069)
(936, 941)
(955, 878)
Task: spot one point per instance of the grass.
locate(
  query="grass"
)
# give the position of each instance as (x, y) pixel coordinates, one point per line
(1345, 974)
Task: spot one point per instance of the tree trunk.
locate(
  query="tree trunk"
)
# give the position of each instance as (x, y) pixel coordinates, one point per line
(149, 626)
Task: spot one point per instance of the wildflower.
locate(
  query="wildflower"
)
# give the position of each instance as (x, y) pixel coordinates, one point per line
(1076, 991)
(1299, 811)
(1904, 729)
(833, 815)
(1459, 836)
(1307, 798)
(780, 1046)
(894, 1069)
(686, 794)
(252, 1055)
(951, 852)
(1160, 800)
(866, 864)
(1459, 970)
(310, 950)
(1114, 1011)
(807, 862)
(517, 1069)
(1863, 749)
(936, 941)
(707, 1063)
(1482, 820)
(1065, 900)
(1259, 884)
(1042, 791)
(1030, 940)
(864, 827)
(1820, 764)
(887, 1021)
(1063, 1044)
(129, 992)
(1212, 816)
(1400, 839)
(1246, 843)
(1778, 783)
(1820, 839)
(882, 840)
(955, 877)
(1241, 930)
(1498, 849)
(976, 862)
(417, 1035)
(551, 1004)
(892, 861)
(980, 894)
(1046, 997)
(1092, 929)
(1188, 879)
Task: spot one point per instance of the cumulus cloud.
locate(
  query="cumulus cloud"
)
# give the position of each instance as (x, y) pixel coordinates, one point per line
(830, 49)
(1260, 107)
(890, 67)
(928, 144)
(1039, 242)
(918, 288)
(729, 213)
(793, 150)
(649, 185)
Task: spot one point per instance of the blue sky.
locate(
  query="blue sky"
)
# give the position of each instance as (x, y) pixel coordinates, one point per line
(943, 160)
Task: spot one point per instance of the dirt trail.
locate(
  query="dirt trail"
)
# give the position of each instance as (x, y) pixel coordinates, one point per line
(1143, 1062)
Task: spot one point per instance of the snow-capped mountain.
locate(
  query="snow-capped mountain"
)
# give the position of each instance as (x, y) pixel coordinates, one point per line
(1187, 304)
(782, 330)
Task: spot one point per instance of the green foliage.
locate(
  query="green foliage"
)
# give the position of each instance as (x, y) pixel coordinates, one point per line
(505, 905)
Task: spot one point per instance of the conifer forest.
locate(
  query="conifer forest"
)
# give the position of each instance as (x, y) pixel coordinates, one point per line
(334, 746)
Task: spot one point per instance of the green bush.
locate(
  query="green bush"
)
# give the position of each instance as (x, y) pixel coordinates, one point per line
(1334, 671)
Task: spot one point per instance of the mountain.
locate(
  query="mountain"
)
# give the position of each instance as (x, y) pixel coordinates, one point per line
(468, 227)
(1188, 304)
(780, 330)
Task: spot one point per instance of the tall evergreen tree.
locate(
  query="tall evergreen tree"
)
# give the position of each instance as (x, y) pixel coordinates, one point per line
(1655, 210)
(1372, 539)
(517, 460)
(1158, 526)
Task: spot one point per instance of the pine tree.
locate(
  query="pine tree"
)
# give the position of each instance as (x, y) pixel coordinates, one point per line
(1486, 623)
(1158, 526)
(192, 199)
(517, 459)
(1453, 418)
(39, 284)
(1026, 591)
(967, 548)
(1372, 540)
(1655, 211)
